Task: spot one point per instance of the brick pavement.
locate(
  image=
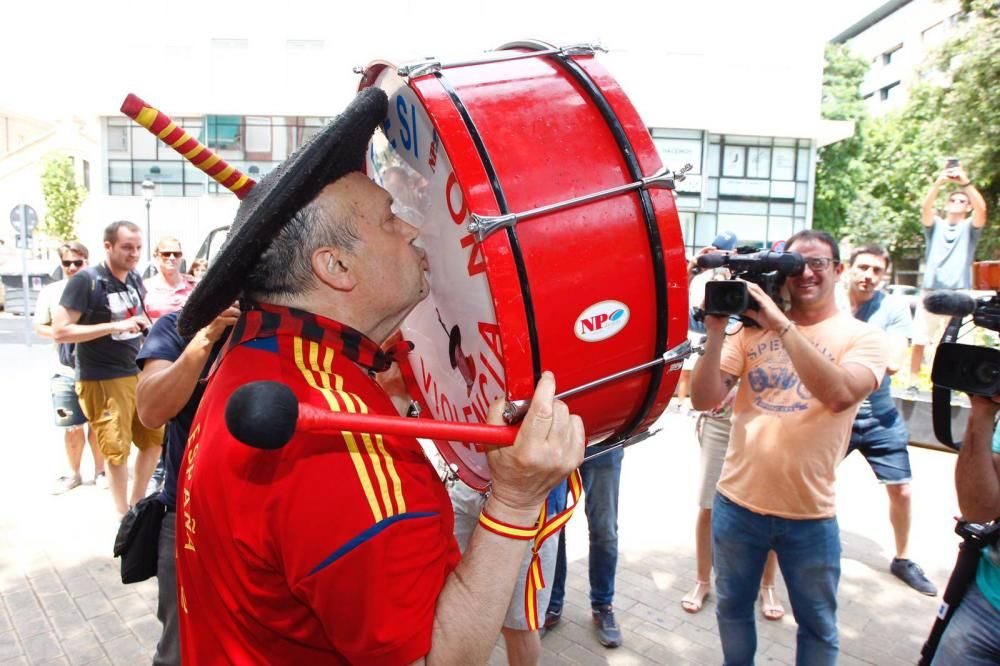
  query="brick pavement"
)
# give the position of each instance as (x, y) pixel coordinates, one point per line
(62, 601)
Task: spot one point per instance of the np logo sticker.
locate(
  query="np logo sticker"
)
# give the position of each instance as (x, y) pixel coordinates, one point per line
(601, 321)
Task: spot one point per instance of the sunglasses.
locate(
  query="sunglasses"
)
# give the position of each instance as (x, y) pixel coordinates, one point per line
(175, 255)
(72, 262)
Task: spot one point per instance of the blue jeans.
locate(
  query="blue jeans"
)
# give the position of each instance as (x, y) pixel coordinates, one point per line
(601, 478)
(809, 556)
(973, 634)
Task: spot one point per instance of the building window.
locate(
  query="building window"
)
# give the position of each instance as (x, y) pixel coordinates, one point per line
(86, 174)
(888, 91)
(734, 161)
(252, 144)
(888, 55)
(757, 187)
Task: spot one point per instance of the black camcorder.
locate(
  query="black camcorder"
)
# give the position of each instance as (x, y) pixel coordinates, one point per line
(766, 269)
(960, 367)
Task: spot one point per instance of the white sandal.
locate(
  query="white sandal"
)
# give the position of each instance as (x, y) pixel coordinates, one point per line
(695, 599)
(770, 607)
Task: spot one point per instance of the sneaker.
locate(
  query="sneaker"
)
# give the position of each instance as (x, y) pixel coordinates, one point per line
(911, 392)
(552, 617)
(910, 573)
(66, 483)
(101, 480)
(608, 632)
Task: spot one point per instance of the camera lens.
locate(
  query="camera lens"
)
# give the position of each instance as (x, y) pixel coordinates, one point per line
(986, 373)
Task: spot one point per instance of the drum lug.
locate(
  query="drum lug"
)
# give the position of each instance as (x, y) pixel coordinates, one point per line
(581, 50)
(419, 69)
(515, 410)
(482, 226)
(681, 175)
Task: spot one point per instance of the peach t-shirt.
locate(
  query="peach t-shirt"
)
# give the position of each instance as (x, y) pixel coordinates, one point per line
(785, 444)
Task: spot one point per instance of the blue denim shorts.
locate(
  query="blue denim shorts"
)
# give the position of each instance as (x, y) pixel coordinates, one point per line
(882, 440)
(65, 405)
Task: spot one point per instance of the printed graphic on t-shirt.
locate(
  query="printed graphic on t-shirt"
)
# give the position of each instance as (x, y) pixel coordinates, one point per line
(774, 384)
(124, 304)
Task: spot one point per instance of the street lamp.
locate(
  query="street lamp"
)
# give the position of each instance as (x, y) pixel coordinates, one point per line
(148, 190)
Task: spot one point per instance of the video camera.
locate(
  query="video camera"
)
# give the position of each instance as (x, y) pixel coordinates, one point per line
(766, 269)
(961, 367)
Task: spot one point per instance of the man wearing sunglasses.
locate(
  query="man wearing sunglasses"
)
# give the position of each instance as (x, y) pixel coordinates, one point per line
(951, 248)
(68, 415)
(803, 373)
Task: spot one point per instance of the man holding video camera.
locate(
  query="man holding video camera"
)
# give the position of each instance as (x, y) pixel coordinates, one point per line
(973, 633)
(804, 375)
(951, 247)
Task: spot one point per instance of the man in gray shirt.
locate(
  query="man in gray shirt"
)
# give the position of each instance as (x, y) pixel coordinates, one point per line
(951, 247)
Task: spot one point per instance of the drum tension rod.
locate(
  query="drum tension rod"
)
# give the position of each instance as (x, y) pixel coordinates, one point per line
(432, 66)
(482, 226)
(515, 410)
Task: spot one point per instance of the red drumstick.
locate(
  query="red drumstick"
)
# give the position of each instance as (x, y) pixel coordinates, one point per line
(265, 415)
(191, 149)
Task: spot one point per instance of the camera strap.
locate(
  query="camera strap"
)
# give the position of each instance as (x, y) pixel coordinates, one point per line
(974, 538)
(941, 397)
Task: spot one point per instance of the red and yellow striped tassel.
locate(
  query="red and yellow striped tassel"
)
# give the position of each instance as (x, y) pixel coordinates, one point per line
(190, 148)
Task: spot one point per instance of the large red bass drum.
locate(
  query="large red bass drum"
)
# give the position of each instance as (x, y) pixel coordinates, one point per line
(552, 237)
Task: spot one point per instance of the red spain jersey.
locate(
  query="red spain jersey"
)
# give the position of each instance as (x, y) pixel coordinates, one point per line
(331, 549)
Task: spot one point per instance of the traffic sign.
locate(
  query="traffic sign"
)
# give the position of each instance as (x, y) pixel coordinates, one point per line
(30, 215)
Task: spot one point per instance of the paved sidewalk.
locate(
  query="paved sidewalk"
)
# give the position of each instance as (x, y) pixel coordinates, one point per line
(62, 600)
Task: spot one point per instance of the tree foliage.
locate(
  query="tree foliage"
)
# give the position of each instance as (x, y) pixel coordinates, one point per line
(869, 188)
(62, 197)
(840, 169)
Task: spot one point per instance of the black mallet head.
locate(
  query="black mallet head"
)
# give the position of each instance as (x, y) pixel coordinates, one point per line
(262, 414)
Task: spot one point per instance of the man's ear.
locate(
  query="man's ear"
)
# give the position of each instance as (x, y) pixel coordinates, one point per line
(330, 265)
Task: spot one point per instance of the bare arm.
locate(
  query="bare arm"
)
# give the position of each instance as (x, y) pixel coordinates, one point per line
(41, 322)
(166, 386)
(43, 330)
(474, 600)
(927, 209)
(839, 387)
(978, 204)
(977, 472)
(709, 384)
(898, 348)
(66, 329)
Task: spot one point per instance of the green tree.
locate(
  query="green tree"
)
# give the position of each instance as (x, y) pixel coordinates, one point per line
(870, 187)
(62, 197)
(902, 154)
(840, 171)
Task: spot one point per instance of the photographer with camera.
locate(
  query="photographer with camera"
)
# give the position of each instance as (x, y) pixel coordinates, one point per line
(951, 247)
(972, 636)
(804, 375)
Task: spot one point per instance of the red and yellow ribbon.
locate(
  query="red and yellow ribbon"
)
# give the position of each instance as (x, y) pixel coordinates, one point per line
(191, 149)
(491, 524)
(549, 527)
